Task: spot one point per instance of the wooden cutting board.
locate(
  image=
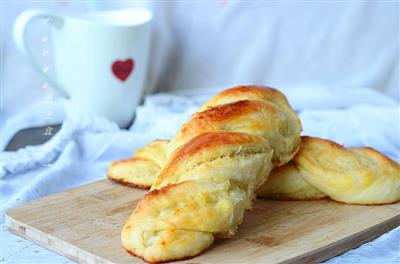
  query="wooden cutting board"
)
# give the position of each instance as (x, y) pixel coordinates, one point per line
(84, 225)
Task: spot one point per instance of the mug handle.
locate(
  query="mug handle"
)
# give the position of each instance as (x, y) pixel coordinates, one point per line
(19, 38)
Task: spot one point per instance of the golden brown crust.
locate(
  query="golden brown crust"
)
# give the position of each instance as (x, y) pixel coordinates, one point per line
(212, 140)
(216, 117)
(245, 89)
(252, 92)
(129, 184)
(207, 147)
(267, 116)
(227, 111)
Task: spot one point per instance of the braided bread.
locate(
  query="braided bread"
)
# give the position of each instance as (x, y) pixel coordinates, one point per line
(254, 110)
(355, 175)
(215, 163)
(323, 168)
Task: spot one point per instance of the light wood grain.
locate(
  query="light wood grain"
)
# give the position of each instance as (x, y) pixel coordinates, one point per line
(84, 225)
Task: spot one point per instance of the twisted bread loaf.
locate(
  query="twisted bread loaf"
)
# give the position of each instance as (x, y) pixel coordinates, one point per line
(323, 168)
(255, 110)
(215, 163)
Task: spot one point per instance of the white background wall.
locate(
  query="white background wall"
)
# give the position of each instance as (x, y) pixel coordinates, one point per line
(207, 44)
(280, 43)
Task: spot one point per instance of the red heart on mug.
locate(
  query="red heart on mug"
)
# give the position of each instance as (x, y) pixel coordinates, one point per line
(122, 69)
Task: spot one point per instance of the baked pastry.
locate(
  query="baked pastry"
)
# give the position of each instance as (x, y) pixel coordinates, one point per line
(202, 194)
(255, 110)
(289, 182)
(323, 168)
(215, 163)
(140, 170)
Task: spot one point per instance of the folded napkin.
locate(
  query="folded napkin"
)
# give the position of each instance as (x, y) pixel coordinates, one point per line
(80, 152)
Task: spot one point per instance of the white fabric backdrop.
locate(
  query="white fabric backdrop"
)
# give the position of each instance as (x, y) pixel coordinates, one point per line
(219, 43)
(279, 43)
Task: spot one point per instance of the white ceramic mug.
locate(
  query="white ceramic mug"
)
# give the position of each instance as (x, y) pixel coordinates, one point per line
(100, 59)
